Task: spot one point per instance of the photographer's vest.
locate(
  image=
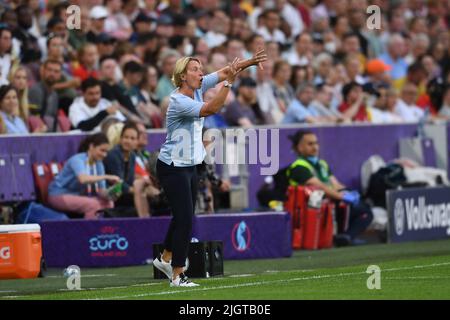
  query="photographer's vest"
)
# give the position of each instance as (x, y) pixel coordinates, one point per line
(321, 171)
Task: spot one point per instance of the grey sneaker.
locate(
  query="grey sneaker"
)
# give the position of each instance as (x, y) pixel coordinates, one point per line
(163, 266)
(182, 281)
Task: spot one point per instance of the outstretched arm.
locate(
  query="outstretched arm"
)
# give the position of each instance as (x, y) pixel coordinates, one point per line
(258, 58)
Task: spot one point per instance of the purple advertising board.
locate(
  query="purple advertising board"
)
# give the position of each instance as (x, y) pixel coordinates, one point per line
(418, 214)
(125, 242)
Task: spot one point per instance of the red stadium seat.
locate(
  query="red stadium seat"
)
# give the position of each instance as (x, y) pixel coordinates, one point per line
(63, 121)
(42, 178)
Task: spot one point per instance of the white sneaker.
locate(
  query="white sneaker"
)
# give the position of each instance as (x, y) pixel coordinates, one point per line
(163, 266)
(182, 281)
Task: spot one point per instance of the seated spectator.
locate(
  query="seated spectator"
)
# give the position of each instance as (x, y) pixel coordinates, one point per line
(6, 58)
(97, 15)
(121, 161)
(282, 89)
(245, 111)
(18, 79)
(383, 109)
(300, 111)
(88, 111)
(117, 23)
(81, 185)
(394, 58)
(353, 106)
(43, 97)
(267, 101)
(322, 104)
(9, 106)
(310, 170)
(270, 28)
(378, 73)
(112, 91)
(301, 53)
(86, 66)
(165, 86)
(406, 106)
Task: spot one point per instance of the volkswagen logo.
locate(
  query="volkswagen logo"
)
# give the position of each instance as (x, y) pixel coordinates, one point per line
(399, 216)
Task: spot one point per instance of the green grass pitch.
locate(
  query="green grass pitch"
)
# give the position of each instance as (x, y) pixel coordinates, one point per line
(419, 270)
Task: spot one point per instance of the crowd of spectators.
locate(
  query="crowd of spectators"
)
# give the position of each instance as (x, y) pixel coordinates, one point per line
(325, 64)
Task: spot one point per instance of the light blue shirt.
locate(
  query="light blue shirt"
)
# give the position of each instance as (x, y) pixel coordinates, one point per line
(399, 66)
(297, 113)
(66, 182)
(184, 145)
(14, 124)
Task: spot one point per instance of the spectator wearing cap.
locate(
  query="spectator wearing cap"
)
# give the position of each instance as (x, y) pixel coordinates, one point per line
(167, 65)
(244, 111)
(117, 23)
(142, 24)
(300, 111)
(406, 106)
(378, 73)
(164, 27)
(353, 105)
(98, 16)
(105, 44)
(301, 53)
(270, 29)
(88, 111)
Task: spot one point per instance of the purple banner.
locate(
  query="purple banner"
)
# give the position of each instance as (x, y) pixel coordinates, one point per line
(124, 242)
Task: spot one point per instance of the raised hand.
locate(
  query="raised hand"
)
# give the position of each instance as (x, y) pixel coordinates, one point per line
(259, 57)
(234, 70)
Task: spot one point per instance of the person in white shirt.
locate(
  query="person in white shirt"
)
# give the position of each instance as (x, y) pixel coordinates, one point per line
(5, 55)
(270, 29)
(86, 113)
(301, 53)
(383, 109)
(406, 106)
(292, 16)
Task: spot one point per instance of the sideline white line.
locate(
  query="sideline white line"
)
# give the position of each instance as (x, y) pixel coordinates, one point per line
(258, 283)
(87, 275)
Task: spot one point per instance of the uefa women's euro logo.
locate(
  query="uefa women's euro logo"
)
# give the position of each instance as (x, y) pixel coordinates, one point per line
(241, 236)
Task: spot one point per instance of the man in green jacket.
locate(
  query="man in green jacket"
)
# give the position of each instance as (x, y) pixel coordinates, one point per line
(309, 170)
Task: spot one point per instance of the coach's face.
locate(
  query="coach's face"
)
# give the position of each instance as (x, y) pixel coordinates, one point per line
(308, 146)
(194, 75)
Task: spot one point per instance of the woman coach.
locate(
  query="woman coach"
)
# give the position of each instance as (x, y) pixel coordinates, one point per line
(176, 166)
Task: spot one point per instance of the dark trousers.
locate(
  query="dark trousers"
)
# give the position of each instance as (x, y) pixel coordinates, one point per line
(180, 187)
(360, 218)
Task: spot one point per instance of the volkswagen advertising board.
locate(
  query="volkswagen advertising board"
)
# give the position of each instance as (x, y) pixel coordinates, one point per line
(418, 214)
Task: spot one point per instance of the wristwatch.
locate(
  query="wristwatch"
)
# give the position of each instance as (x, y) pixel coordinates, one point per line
(227, 84)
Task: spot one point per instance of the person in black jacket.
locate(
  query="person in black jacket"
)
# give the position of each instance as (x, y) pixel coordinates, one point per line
(121, 161)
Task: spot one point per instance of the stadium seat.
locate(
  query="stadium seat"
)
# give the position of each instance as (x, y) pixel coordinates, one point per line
(63, 121)
(42, 178)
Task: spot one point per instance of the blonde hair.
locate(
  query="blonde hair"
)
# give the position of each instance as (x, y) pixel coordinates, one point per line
(113, 133)
(24, 109)
(180, 69)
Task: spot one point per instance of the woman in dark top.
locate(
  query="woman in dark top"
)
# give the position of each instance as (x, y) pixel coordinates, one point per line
(121, 161)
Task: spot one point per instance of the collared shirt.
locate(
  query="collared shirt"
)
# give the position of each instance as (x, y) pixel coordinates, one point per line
(66, 182)
(184, 146)
(399, 66)
(297, 112)
(14, 124)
